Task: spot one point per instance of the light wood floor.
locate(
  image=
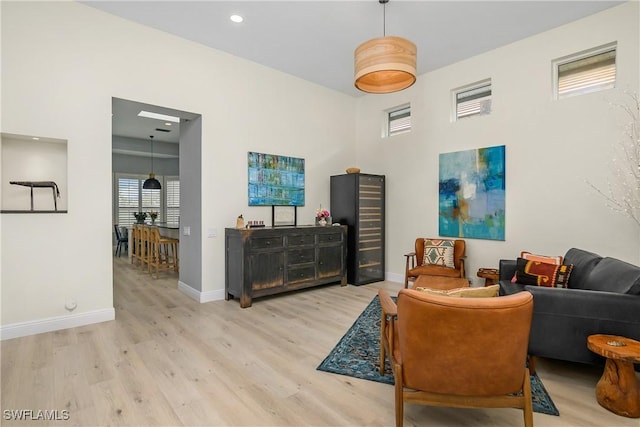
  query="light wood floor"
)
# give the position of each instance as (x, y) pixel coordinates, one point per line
(168, 360)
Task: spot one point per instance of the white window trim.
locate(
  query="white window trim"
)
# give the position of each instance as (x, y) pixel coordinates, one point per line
(454, 98)
(386, 122)
(556, 63)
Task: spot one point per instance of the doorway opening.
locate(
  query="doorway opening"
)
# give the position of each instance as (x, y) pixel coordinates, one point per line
(150, 141)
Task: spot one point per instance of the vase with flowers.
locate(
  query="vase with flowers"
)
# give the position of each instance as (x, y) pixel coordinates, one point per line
(322, 216)
(140, 217)
(153, 215)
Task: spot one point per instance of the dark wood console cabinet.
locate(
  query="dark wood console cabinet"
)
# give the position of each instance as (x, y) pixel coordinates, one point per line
(267, 261)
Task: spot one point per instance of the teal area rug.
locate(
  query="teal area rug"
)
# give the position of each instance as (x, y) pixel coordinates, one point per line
(358, 352)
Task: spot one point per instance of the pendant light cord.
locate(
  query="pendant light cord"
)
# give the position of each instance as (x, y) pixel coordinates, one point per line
(384, 17)
(151, 136)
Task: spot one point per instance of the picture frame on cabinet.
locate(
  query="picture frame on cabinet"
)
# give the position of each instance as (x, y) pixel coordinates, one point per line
(284, 216)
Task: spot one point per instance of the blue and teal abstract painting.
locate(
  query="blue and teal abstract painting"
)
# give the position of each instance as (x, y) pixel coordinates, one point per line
(472, 190)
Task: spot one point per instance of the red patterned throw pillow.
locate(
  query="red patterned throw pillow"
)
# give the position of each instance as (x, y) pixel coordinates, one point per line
(557, 260)
(543, 274)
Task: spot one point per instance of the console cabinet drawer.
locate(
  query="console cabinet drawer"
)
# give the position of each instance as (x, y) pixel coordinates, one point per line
(301, 274)
(265, 242)
(301, 240)
(301, 256)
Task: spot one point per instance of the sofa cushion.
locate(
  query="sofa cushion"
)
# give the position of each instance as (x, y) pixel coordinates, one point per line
(508, 288)
(583, 262)
(614, 275)
(543, 274)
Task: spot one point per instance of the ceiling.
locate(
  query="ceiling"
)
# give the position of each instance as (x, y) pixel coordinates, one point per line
(127, 123)
(315, 40)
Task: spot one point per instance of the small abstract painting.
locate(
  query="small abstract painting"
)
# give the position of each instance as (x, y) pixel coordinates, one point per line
(472, 193)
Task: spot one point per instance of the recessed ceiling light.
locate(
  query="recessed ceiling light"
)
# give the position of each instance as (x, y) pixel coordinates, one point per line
(158, 116)
(167, 124)
(35, 138)
(236, 18)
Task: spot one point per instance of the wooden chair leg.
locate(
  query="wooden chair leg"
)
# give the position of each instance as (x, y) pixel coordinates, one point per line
(383, 333)
(176, 259)
(399, 396)
(531, 364)
(528, 404)
(406, 272)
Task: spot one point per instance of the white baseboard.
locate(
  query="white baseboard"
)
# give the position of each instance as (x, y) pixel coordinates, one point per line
(394, 277)
(196, 295)
(33, 327)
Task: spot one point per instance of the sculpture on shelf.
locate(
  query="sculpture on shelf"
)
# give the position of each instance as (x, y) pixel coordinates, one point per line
(40, 184)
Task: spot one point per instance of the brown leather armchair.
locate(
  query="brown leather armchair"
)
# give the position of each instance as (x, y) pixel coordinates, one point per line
(414, 266)
(448, 351)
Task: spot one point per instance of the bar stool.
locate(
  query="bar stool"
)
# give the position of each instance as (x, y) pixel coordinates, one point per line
(145, 249)
(163, 253)
(135, 244)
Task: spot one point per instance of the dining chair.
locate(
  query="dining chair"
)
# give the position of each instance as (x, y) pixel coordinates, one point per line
(122, 239)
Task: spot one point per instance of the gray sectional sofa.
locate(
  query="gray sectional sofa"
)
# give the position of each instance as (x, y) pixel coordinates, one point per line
(602, 297)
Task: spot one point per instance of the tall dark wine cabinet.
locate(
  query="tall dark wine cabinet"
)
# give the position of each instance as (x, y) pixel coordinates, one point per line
(357, 200)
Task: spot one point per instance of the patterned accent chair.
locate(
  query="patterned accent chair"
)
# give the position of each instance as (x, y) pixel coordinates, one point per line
(445, 364)
(415, 264)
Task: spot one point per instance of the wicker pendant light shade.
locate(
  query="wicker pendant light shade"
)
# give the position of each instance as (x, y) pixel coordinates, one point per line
(385, 65)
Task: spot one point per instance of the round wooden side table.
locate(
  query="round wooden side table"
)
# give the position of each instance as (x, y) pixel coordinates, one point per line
(491, 276)
(618, 389)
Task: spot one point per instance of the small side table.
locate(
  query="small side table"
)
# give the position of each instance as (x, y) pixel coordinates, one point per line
(618, 389)
(491, 276)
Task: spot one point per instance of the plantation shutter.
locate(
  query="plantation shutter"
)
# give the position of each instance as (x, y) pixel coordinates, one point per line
(173, 201)
(128, 200)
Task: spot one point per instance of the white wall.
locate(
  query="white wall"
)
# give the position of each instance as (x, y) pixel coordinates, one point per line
(62, 62)
(552, 147)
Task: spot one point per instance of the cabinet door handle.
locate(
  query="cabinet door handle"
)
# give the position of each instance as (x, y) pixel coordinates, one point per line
(268, 243)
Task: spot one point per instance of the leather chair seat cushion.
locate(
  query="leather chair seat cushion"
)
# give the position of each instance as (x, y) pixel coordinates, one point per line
(433, 270)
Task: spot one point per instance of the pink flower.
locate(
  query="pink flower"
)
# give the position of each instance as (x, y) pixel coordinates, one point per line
(322, 213)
